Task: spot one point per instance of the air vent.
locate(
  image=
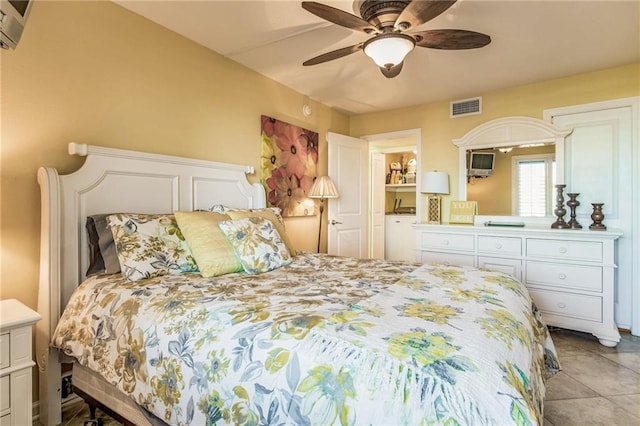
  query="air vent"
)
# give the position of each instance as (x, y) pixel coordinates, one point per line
(464, 107)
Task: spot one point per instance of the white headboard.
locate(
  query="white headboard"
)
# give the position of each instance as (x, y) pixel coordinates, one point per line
(111, 181)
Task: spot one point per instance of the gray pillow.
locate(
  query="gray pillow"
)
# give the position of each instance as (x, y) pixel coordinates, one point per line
(103, 258)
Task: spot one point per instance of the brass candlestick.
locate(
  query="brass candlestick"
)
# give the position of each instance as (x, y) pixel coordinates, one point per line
(560, 211)
(573, 203)
(597, 216)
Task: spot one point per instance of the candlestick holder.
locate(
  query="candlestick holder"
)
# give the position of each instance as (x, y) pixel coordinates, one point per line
(573, 203)
(597, 216)
(560, 211)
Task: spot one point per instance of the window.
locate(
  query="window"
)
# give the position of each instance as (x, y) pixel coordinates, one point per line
(533, 179)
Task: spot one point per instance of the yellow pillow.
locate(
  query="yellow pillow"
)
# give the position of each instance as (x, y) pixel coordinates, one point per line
(209, 247)
(266, 214)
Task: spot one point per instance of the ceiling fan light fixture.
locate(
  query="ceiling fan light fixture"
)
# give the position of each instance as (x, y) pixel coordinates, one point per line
(389, 50)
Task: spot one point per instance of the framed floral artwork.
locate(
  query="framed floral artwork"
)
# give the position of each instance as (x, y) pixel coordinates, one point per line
(289, 160)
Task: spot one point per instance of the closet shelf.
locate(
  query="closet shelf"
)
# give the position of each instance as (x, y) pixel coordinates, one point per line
(401, 187)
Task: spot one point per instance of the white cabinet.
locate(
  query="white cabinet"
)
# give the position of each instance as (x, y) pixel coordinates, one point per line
(569, 273)
(399, 238)
(16, 362)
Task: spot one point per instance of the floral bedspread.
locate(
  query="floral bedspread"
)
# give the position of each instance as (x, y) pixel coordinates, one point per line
(325, 340)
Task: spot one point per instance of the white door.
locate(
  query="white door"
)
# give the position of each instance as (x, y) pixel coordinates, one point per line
(378, 174)
(348, 232)
(598, 165)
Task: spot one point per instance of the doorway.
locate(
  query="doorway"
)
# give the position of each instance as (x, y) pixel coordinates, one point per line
(395, 202)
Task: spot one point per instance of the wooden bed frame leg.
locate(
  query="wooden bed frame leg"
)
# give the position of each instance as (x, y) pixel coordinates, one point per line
(92, 411)
(93, 420)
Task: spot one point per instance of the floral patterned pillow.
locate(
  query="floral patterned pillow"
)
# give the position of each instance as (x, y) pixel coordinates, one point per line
(269, 215)
(149, 245)
(257, 244)
(221, 208)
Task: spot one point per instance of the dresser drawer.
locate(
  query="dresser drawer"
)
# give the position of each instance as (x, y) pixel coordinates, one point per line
(448, 258)
(506, 246)
(512, 267)
(442, 241)
(587, 251)
(565, 276)
(5, 350)
(567, 304)
(5, 393)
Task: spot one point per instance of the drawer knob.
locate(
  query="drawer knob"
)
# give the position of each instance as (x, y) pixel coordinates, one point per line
(562, 276)
(562, 249)
(498, 246)
(562, 305)
(445, 242)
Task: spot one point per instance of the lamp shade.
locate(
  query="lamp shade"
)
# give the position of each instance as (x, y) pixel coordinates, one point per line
(323, 187)
(388, 50)
(435, 182)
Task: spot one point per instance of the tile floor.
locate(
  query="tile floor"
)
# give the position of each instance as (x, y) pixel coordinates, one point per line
(597, 385)
(77, 414)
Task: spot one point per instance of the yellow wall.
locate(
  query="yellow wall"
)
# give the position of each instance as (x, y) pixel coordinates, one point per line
(438, 130)
(93, 72)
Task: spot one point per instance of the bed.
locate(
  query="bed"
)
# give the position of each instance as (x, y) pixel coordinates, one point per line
(319, 339)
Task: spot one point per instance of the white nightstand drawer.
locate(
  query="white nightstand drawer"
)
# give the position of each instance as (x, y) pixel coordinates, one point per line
(5, 350)
(507, 246)
(5, 420)
(565, 276)
(455, 242)
(568, 304)
(587, 251)
(5, 393)
(448, 258)
(16, 383)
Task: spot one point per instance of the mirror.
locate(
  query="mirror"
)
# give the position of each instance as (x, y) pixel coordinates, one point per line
(521, 182)
(509, 132)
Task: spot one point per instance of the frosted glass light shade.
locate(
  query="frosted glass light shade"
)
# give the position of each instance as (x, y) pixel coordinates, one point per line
(323, 187)
(435, 183)
(388, 50)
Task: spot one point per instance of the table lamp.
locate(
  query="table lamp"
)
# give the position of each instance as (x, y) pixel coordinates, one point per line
(434, 183)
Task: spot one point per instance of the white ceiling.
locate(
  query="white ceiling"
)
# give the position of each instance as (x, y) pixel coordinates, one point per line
(531, 41)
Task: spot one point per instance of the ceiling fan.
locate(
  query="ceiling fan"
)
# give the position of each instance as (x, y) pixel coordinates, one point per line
(388, 22)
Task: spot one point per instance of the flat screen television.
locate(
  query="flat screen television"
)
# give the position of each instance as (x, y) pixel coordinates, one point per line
(13, 16)
(481, 163)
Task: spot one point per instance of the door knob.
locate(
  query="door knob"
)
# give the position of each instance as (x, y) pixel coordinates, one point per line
(335, 222)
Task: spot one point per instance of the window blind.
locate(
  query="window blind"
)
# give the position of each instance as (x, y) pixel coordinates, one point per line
(532, 196)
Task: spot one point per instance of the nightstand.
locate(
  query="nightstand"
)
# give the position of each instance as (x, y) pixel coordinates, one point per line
(16, 362)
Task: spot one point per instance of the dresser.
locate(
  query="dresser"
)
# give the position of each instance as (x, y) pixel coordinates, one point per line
(570, 274)
(16, 362)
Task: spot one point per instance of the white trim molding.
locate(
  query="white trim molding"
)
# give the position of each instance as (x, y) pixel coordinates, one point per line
(509, 131)
(633, 103)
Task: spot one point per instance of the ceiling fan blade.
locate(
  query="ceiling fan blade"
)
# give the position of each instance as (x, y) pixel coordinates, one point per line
(334, 54)
(339, 17)
(393, 71)
(451, 39)
(420, 11)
